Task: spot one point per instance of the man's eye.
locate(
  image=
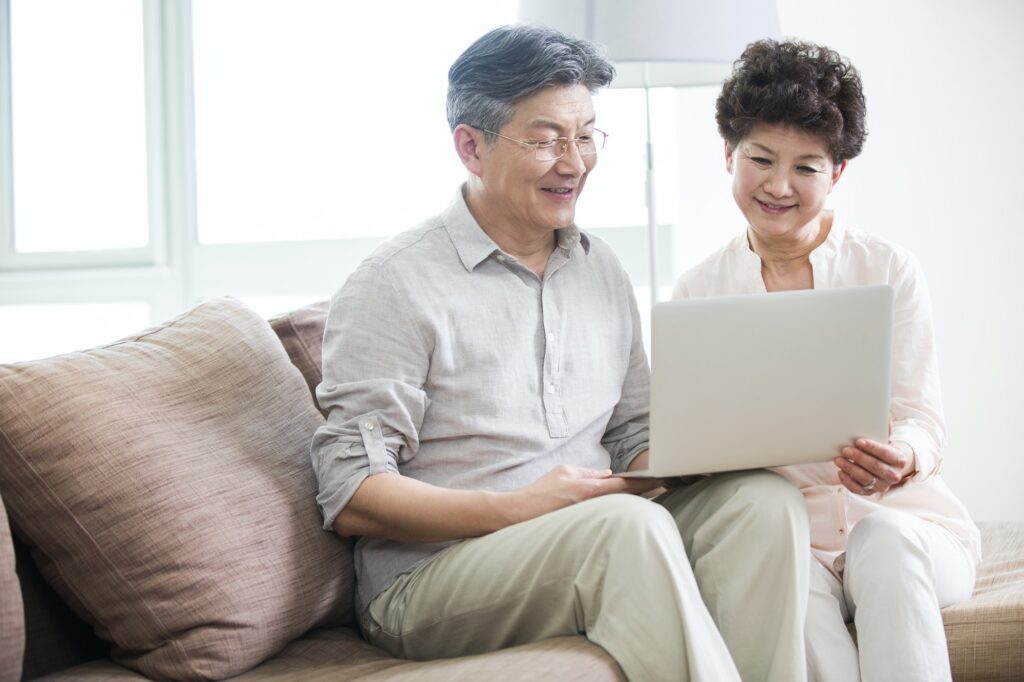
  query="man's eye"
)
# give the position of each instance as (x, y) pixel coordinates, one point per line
(547, 144)
(585, 139)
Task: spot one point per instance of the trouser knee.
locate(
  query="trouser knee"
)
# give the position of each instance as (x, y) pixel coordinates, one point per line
(884, 538)
(764, 498)
(630, 526)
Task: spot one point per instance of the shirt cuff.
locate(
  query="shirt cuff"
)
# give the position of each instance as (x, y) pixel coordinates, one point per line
(925, 460)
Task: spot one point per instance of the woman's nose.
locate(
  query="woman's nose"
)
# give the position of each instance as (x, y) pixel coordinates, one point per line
(777, 185)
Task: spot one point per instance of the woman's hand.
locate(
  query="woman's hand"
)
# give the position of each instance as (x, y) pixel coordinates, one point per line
(867, 467)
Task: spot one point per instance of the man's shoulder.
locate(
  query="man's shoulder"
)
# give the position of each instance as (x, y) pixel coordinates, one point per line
(599, 252)
(412, 244)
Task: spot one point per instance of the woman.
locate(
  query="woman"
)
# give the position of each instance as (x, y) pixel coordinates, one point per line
(891, 544)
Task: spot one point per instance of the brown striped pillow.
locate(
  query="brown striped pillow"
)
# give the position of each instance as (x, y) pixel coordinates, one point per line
(165, 483)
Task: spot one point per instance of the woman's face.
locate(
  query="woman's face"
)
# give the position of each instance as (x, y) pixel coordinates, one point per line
(781, 178)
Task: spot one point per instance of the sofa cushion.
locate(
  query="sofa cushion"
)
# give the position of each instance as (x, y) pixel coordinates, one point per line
(986, 633)
(341, 654)
(302, 334)
(164, 483)
(12, 620)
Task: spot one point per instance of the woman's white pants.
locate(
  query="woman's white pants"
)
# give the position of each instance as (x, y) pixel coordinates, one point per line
(899, 571)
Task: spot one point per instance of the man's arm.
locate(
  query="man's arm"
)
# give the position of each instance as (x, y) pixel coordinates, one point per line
(627, 433)
(399, 508)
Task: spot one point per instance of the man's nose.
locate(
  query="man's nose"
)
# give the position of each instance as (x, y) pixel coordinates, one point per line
(572, 162)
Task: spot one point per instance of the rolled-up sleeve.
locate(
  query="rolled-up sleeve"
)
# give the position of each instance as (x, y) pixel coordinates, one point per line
(628, 429)
(375, 363)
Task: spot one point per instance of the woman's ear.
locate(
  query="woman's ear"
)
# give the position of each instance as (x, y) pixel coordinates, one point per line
(728, 156)
(837, 171)
(468, 144)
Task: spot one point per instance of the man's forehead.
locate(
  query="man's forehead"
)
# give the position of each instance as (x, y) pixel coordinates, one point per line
(556, 104)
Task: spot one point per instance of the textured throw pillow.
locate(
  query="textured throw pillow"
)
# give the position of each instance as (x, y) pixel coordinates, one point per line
(165, 485)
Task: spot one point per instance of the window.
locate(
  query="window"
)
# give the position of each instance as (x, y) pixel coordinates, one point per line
(157, 154)
(79, 126)
(326, 120)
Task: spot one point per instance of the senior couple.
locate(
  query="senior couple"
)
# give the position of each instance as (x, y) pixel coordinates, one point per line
(485, 375)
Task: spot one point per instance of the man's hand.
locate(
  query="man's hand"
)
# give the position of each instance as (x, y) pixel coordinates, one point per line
(566, 485)
(868, 467)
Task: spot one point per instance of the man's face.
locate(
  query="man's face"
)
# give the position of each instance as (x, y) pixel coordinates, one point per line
(525, 195)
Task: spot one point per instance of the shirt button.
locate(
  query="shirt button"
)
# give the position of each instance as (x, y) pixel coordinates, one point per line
(551, 388)
(841, 531)
(369, 426)
(551, 338)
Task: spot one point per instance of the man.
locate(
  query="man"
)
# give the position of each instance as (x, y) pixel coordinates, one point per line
(484, 375)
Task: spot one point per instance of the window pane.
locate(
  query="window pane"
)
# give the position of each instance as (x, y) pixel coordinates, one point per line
(78, 118)
(41, 330)
(319, 119)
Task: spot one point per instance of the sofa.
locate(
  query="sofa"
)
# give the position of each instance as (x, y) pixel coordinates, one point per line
(158, 522)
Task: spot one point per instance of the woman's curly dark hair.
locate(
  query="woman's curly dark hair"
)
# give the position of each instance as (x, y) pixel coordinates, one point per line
(796, 84)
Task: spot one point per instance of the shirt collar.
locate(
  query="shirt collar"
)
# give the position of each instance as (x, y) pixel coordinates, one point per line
(474, 246)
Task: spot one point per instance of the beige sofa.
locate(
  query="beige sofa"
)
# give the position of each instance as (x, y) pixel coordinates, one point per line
(161, 502)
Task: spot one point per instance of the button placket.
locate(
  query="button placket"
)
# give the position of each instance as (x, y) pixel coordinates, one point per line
(553, 406)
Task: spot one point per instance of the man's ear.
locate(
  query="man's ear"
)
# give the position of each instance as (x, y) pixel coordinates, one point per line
(469, 143)
(728, 156)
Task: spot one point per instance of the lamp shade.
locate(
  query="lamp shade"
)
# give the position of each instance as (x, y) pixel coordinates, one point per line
(656, 43)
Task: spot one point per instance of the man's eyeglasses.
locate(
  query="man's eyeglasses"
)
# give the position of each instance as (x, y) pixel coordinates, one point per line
(555, 148)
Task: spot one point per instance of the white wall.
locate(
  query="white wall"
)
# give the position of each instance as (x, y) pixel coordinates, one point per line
(942, 173)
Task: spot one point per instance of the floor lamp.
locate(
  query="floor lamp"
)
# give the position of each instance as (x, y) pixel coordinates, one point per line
(660, 43)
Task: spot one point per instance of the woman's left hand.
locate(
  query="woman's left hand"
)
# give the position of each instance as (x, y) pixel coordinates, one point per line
(867, 467)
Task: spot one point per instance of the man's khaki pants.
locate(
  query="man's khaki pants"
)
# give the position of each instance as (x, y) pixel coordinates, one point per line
(615, 570)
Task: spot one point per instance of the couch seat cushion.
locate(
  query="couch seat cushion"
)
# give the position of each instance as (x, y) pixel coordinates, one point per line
(986, 633)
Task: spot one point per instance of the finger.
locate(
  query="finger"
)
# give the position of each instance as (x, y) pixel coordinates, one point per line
(869, 463)
(860, 475)
(883, 451)
(619, 484)
(855, 487)
(591, 473)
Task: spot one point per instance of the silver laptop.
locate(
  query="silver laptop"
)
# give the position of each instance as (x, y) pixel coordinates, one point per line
(742, 382)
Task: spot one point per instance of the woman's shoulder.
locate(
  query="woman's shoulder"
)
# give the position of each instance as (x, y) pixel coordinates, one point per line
(714, 271)
(876, 251)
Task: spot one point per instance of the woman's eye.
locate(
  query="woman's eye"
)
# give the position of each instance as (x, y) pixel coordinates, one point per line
(808, 170)
(760, 161)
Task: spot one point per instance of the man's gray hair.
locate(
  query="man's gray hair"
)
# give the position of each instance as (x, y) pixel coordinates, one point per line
(512, 62)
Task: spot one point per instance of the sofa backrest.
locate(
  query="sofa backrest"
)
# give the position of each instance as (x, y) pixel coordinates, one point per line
(301, 332)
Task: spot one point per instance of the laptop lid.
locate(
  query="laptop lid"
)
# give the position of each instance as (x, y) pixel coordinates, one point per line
(750, 381)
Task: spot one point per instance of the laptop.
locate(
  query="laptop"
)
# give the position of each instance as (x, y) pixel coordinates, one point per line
(761, 380)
